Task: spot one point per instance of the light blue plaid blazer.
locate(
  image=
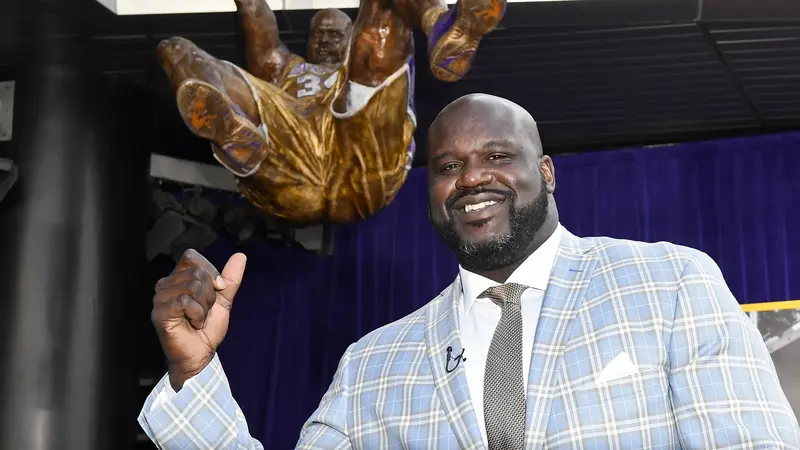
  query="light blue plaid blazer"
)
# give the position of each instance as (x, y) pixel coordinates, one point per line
(704, 378)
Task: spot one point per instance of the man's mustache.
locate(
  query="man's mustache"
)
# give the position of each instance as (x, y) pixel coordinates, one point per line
(450, 203)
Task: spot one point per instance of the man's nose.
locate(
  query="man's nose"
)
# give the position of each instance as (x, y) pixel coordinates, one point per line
(474, 176)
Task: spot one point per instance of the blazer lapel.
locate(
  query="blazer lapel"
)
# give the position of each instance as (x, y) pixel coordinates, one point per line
(566, 289)
(441, 332)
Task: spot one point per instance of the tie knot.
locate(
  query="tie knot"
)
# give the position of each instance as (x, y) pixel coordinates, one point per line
(509, 293)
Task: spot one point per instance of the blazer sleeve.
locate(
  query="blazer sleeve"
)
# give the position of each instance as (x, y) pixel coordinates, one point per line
(724, 388)
(201, 415)
(327, 428)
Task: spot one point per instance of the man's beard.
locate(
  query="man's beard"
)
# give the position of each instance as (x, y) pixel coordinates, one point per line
(502, 250)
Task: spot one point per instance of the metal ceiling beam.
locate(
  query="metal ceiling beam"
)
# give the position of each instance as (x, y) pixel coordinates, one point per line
(749, 11)
(732, 74)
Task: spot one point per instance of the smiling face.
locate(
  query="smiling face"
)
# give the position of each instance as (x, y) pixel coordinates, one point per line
(490, 188)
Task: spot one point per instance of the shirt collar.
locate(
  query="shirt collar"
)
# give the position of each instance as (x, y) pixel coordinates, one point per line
(534, 272)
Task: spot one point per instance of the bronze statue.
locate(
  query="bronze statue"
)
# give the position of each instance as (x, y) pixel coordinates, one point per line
(329, 137)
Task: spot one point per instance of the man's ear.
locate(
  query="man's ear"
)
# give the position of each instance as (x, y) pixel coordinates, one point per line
(548, 172)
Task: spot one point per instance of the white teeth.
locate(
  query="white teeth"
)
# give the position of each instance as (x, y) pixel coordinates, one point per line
(479, 206)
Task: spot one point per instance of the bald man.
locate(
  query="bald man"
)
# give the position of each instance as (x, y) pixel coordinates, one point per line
(327, 137)
(544, 340)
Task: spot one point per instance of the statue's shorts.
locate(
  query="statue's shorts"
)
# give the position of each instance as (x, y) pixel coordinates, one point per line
(321, 164)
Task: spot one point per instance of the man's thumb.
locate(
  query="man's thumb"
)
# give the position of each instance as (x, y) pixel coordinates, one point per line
(232, 275)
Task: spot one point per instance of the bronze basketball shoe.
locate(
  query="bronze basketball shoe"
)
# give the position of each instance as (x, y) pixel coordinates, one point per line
(239, 145)
(454, 37)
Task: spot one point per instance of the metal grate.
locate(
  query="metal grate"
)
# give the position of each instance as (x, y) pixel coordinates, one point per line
(766, 60)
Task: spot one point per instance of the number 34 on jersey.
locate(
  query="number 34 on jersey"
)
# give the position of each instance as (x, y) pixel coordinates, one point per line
(311, 80)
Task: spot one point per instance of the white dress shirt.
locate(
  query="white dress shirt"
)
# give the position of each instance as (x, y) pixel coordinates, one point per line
(478, 317)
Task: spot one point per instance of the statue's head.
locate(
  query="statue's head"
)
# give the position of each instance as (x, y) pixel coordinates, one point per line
(329, 36)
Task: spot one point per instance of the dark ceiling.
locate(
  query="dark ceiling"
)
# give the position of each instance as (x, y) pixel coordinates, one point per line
(594, 73)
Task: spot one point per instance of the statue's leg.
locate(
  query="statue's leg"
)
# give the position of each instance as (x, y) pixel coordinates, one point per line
(265, 54)
(182, 60)
(382, 43)
(454, 35)
(374, 119)
(217, 103)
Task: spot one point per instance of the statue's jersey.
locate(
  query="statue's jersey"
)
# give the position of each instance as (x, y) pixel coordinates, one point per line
(311, 82)
(321, 163)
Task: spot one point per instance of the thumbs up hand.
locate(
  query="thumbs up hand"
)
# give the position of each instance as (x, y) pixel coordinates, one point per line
(191, 312)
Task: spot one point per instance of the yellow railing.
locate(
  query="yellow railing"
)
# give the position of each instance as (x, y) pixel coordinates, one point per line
(771, 306)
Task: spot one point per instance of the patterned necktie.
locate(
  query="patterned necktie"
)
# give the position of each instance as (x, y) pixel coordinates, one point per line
(503, 386)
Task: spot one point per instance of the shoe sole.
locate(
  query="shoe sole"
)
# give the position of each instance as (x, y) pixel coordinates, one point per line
(460, 34)
(211, 115)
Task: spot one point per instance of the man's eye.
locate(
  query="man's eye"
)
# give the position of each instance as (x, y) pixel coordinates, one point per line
(497, 157)
(448, 167)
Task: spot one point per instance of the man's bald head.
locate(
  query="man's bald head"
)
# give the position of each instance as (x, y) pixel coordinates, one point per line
(490, 195)
(487, 110)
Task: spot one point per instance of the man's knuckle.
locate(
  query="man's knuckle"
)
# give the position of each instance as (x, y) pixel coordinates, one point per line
(157, 299)
(162, 283)
(185, 300)
(196, 288)
(199, 273)
(157, 315)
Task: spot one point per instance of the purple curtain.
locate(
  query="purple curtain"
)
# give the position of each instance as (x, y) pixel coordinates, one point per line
(736, 199)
